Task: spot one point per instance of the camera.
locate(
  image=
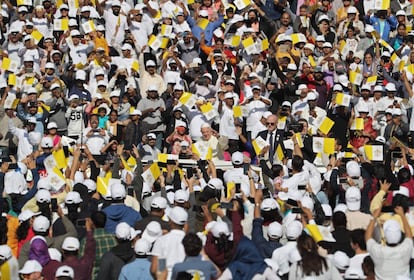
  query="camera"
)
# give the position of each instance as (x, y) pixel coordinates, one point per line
(295, 127)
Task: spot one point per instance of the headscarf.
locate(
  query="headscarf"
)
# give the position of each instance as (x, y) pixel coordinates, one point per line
(39, 250)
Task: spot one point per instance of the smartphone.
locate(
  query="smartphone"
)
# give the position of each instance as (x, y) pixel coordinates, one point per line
(396, 155)
(343, 180)
(301, 187)
(226, 205)
(162, 264)
(387, 209)
(292, 202)
(297, 210)
(13, 166)
(237, 185)
(81, 223)
(130, 191)
(54, 204)
(246, 167)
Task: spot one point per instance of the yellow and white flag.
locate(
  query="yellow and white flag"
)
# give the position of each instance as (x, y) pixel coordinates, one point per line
(371, 81)
(151, 174)
(323, 145)
(374, 152)
(249, 45)
(343, 99)
(355, 78)
(326, 125)
(188, 99)
(357, 124)
(208, 111)
(241, 4)
(258, 144)
(88, 26)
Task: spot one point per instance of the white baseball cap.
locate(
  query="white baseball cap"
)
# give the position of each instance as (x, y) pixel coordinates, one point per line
(80, 75)
(293, 229)
(46, 143)
(136, 112)
(41, 224)
(351, 10)
(73, 198)
(353, 198)
(237, 158)
(178, 215)
(51, 125)
(392, 231)
(124, 231)
(390, 87)
(181, 196)
(216, 183)
(65, 271)
(118, 191)
(31, 266)
(26, 215)
(353, 169)
(220, 228)
(5, 252)
(159, 202)
(71, 244)
(142, 247)
(269, 204)
(43, 196)
(275, 230)
(152, 231)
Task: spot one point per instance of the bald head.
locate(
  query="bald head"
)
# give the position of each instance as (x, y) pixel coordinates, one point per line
(271, 122)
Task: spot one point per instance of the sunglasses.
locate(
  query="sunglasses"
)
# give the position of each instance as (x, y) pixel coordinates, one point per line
(270, 123)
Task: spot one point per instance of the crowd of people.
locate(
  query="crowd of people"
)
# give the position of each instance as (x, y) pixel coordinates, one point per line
(206, 139)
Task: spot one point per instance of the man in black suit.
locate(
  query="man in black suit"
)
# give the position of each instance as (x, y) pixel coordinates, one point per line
(272, 136)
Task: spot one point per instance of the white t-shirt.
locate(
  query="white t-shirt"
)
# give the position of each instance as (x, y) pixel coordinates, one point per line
(111, 21)
(391, 262)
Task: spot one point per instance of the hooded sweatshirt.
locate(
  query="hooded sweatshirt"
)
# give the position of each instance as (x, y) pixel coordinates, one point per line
(117, 213)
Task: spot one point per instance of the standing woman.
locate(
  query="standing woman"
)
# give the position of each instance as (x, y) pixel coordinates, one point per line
(312, 264)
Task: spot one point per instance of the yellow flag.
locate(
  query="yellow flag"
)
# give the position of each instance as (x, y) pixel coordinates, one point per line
(132, 161)
(202, 23)
(358, 124)
(37, 36)
(326, 125)
(248, 42)
(5, 63)
(258, 144)
(312, 61)
(235, 41)
(299, 139)
(102, 183)
(64, 24)
(329, 145)
(265, 44)
(279, 152)
(237, 111)
(371, 81)
(135, 65)
(314, 232)
(355, 77)
(206, 107)
(162, 158)
(11, 80)
(374, 152)
(60, 158)
(164, 42)
(343, 99)
(125, 164)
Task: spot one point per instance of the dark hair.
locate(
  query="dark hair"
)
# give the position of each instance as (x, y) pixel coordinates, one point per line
(276, 170)
(339, 219)
(183, 275)
(368, 266)
(99, 219)
(404, 175)
(23, 230)
(271, 216)
(192, 244)
(73, 214)
(224, 246)
(297, 163)
(358, 237)
(312, 262)
(400, 200)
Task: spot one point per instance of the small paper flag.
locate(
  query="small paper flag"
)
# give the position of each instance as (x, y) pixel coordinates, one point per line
(135, 65)
(11, 80)
(258, 144)
(151, 174)
(299, 139)
(249, 45)
(343, 99)
(188, 99)
(202, 23)
(326, 125)
(241, 4)
(125, 164)
(357, 124)
(208, 110)
(323, 145)
(60, 159)
(371, 81)
(102, 183)
(355, 77)
(237, 111)
(235, 41)
(374, 152)
(230, 187)
(166, 30)
(314, 232)
(88, 26)
(5, 63)
(312, 61)
(279, 152)
(265, 44)
(37, 36)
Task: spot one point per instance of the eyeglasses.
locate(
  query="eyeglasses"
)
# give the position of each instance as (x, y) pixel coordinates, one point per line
(270, 123)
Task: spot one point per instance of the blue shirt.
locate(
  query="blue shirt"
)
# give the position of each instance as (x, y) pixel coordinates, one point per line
(139, 269)
(193, 265)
